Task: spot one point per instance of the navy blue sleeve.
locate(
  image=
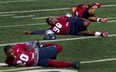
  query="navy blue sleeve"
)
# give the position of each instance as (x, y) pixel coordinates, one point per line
(38, 32)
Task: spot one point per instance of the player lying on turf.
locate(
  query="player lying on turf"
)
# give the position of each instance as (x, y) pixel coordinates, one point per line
(30, 54)
(87, 11)
(68, 26)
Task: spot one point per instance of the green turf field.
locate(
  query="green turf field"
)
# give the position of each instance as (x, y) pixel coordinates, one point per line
(19, 15)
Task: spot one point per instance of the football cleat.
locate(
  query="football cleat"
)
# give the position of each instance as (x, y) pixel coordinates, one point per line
(76, 64)
(49, 35)
(104, 34)
(103, 20)
(96, 5)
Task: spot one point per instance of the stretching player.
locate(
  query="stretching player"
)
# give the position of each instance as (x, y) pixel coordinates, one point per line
(87, 11)
(28, 54)
(68, 26)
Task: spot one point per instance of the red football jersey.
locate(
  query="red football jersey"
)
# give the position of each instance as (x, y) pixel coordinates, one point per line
(61, 27)
(79, 10)
(25, 58)
(22, 56)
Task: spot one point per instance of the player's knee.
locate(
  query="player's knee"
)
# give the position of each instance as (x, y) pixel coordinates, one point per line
(86, 23)
(59, 48)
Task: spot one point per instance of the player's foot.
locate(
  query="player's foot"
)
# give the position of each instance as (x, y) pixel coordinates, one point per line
(76, 64)
(104, 34)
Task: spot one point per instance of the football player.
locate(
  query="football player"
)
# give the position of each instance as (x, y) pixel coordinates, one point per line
(36, 54)
(87, 11)
(68, 26)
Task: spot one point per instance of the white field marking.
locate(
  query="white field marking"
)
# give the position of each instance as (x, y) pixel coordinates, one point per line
(112, 21)
(101, 60)
(112, 18)
(67, 39)
(23, 25)
(55, 9)
(44, 17)
(34, 10)
(16, 1)
(34, 24)
(24, 68)
(7, 15)
(57, 16)
(83, 62)
(51, 70)
(23, 16)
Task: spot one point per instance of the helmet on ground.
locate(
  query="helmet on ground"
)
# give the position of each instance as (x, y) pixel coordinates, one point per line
(49, 35)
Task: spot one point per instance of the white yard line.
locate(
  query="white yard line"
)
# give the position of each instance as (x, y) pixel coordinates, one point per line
(16, 1)
(111, 18)
(43, 17)
(34, 24)
(55, 9)
(4, 15)
(100, 60)
(24, 68)
(67, 39)
(112, 21)
(23, 16)
(83, 62)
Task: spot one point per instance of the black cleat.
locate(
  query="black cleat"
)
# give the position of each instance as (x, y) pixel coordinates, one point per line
(76, 64)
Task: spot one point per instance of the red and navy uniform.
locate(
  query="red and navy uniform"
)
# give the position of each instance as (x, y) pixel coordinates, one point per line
(82, 12)
(23, 56)
(61, 27)
(47, 56)
(68, 25)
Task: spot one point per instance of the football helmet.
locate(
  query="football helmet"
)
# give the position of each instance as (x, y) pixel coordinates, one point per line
(49, 35)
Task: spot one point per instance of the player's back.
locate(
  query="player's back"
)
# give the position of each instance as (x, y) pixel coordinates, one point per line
(79, 10)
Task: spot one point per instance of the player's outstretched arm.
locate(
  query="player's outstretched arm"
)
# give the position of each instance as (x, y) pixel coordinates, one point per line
(95, 19)
(38, 32)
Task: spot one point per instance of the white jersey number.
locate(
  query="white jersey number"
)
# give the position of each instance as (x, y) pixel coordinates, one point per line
(57, 27)
(23, 59)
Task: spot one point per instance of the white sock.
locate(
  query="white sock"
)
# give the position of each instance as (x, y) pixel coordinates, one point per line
(97, 33)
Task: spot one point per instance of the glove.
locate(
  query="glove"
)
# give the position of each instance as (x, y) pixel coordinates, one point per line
(103, 20)
(96, 5)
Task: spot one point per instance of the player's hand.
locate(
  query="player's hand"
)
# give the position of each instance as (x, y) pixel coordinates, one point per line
(103, 20)
(96, 5)
(104, 34)
(26, 32)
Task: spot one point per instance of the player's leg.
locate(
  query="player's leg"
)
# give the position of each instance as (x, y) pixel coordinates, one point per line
(94, 33)
(47, 62)
(50, 51)
(59, 47)
(86, 23)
